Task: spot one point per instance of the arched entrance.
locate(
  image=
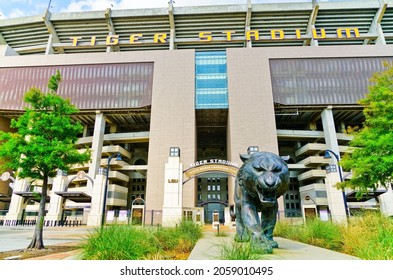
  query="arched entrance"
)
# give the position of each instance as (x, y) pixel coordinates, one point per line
(212, 190)
(211, 207)
(138, 211)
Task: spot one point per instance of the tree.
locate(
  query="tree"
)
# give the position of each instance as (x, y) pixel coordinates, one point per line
(43, 143)
(371, 160)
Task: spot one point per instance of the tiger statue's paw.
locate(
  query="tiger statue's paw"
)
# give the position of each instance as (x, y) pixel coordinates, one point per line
(261, 247)
(242, 238)
(273, 243)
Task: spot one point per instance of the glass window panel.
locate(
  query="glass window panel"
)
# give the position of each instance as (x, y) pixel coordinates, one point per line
(211, 86)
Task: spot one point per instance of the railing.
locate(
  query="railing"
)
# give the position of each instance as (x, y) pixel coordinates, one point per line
(32, 222)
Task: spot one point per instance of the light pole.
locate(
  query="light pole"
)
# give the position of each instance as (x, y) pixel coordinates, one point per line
(118, 157)
(327, 155)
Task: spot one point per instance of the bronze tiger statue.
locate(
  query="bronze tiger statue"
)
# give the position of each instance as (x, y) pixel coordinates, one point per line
(262, 179)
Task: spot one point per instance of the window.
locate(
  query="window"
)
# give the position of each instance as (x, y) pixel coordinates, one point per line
(174, 152)
(211, 85)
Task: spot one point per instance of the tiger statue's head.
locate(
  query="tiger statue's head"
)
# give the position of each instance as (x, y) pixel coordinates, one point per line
(264, 175)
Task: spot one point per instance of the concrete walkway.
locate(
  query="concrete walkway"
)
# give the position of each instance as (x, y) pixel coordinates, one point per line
(209, 248)
(19, 237)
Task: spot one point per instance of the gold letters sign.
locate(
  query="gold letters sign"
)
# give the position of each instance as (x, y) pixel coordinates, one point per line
(227, 36)
(210, 167)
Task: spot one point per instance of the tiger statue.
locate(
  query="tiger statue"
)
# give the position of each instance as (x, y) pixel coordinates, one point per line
(261, 179)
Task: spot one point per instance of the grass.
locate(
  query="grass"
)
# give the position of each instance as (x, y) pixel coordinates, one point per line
(123, 242)
(221, 234)
(368, 237)
(238, 251)
(314, 232)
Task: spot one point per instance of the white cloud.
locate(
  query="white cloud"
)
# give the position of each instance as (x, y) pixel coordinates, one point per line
(26, 2)
(88, 5)
(94, 5)
(14, 13)
(20, 8)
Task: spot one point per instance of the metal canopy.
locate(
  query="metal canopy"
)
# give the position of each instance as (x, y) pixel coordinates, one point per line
(5, 197)
(31, 196)
(75, 196)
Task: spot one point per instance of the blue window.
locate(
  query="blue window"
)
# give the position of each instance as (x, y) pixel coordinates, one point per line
(211, 84)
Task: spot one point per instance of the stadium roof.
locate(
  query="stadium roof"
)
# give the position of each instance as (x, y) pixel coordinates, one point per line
(226, 24)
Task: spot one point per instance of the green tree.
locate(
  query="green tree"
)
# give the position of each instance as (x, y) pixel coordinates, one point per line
(43, 143)
(371, 160)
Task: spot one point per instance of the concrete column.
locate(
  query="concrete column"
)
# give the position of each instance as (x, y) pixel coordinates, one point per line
(49, 46)
(281, 208)
(55, 210)
(18, 203)
(334, 196)
(173, 192)
(6, 50)
(250, 94)
(386, 202)
(97, 200)
(228, 218)
(231, 189)
(96, 147)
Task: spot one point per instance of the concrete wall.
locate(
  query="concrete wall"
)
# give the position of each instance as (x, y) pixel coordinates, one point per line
(251, 108)
(172, 122)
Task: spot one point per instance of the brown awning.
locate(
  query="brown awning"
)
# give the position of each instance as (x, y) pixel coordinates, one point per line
(75, 196)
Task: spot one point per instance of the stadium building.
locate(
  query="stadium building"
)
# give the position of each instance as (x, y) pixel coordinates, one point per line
(170, 97)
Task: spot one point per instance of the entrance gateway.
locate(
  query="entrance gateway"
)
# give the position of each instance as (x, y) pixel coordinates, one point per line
(211, 193)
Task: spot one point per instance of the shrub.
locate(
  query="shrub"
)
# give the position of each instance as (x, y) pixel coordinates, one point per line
(118, 242)
(124, 242)
(368, 237)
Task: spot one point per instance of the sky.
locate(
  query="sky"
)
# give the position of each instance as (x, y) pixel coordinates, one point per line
(21, 8)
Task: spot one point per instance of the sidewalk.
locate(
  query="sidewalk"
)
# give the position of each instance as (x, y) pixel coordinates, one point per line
(208, 248)
(18, 238)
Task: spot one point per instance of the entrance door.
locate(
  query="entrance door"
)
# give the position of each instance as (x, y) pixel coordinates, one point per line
(210, 209)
